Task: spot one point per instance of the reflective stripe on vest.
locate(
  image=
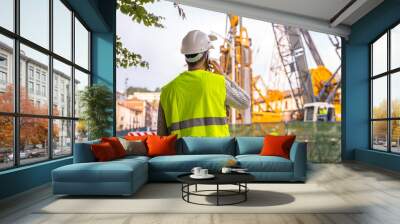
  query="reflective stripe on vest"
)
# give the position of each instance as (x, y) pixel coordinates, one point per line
(198, 122)
(194, 104)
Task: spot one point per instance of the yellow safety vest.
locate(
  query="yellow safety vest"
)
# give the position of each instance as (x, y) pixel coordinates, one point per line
(194, 105)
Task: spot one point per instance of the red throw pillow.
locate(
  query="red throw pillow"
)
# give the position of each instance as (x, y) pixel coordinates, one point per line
(116, 145)
(277, 145)
(161, 145)
(103, 152)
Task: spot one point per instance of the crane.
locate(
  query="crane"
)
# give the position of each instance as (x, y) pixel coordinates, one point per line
(311, 88)
(305, 88)
(236, 61)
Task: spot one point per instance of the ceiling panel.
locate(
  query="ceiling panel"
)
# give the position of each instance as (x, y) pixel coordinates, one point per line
(320, 9)
(313, 15)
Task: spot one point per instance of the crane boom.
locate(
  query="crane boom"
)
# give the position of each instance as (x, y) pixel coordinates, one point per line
(293, 59)
(313, 49)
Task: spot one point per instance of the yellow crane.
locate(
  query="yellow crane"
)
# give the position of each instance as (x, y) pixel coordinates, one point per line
(313, 89)
(263, 109)
(326, 86)
(236, 61)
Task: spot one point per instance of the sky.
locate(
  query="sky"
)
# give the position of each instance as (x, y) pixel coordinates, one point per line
(160, 47)
(34, 26)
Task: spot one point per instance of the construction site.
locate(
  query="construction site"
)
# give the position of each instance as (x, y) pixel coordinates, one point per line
(298, 92)
(300, 99)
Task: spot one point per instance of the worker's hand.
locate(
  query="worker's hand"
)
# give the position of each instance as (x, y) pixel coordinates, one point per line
(215, 67)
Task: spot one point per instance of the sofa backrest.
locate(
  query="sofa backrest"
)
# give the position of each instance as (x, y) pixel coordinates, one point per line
(206, 145)
(249, 145)
(83, 153)
(192, 146)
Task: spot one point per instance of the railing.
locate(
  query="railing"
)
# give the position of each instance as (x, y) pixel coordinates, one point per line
(323, 138)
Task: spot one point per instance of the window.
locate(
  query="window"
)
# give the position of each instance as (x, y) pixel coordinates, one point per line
(81, 82)
(81, 45)
(395, 47)
(62, 30)
(385, 97)
(35, 21)
(55, 98)
(3, 72)
(33, 148)
(45, 114)
(30, 87)
(6, 74)
(37, 89)
(62, 137)
(3, 78)
(37, 74)
(61, 75)
(7, 14)
(44, 91)
(30, 72)
(379, 56)
(3, 61)
(6, 142)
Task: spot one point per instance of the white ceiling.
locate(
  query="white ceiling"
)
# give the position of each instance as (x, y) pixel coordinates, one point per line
(308, 14)
(320, 9)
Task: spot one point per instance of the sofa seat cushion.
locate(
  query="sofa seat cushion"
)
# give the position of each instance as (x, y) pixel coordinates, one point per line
(185, 163)
(257, 163)
(113, 171)
(133, 157)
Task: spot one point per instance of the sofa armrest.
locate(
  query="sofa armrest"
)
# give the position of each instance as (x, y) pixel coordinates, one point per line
(83, 152)
(298, 155)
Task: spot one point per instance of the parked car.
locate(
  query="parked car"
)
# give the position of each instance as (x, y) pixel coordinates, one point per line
(22, 155)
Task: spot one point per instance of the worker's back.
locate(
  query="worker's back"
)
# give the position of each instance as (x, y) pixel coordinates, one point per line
(194, 104)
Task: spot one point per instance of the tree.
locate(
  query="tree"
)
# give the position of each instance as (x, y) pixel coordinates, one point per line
(380, 127)
(132, 89)
(33, 131)
(138, 13)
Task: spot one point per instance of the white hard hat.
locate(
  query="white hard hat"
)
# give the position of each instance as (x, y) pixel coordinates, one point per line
(196, 42)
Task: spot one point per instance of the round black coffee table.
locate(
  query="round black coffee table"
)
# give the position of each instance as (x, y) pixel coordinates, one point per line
(238, 179)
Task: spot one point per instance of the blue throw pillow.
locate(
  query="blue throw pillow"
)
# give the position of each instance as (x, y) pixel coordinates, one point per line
(249, 145)
(206, 145)
(83, 153)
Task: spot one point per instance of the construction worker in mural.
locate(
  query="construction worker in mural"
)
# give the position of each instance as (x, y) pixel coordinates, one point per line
(323, 114)
(194, 103)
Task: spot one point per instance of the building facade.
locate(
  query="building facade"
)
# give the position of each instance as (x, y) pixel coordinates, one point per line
(34, 84)
(137, 112)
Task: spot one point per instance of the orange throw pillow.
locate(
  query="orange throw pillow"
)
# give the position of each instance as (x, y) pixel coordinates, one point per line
(116, 145)
(161, 145)
(103, 152)
(277, 145)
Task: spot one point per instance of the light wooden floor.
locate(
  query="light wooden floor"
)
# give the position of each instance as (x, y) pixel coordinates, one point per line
(379, 189)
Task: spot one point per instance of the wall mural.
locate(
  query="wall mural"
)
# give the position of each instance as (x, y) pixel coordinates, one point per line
(292, 75)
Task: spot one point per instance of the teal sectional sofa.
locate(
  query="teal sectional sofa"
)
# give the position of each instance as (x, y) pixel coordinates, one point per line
(125, 176)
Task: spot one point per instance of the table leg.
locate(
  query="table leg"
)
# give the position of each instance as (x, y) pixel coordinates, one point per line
(188, 190)
(217, 194)
(245, 193)
(182, 190)
(195, 188)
